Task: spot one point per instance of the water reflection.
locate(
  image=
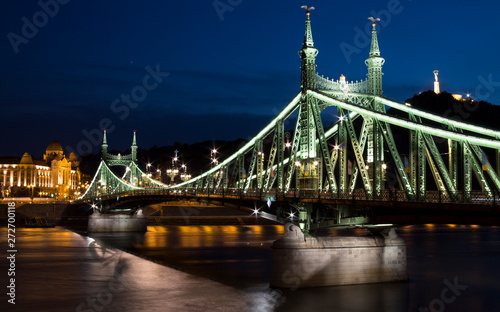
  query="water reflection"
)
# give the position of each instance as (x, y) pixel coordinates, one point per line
(60, 270)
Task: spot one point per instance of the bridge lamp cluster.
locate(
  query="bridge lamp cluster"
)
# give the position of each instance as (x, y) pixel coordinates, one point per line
(297, 163)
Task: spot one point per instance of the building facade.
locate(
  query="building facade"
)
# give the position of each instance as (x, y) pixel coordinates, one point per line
(55, 176)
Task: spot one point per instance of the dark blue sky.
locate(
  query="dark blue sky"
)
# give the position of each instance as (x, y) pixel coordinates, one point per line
(223, 68)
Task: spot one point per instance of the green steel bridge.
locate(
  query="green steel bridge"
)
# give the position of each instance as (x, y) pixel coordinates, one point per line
(352, 165)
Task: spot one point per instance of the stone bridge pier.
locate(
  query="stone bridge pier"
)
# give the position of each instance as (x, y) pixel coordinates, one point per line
(300, 260)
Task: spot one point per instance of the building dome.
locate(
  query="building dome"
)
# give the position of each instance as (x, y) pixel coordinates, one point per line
(54, 147)
(73, 157)
(26, 160)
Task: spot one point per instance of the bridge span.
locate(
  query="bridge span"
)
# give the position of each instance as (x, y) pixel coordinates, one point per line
(379, 165)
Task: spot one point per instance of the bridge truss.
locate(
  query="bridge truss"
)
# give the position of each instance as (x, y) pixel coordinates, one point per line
(359, 152)
(106, 182)
(358, 156)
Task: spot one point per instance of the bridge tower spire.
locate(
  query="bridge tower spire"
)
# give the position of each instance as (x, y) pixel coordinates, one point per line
(134, 149)
(308, 55)
(104, 146)
(374, 63)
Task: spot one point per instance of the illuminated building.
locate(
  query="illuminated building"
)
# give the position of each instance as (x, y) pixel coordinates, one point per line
(55, 176)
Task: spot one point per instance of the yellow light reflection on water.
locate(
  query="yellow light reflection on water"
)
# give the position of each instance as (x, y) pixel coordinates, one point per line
(196, 236)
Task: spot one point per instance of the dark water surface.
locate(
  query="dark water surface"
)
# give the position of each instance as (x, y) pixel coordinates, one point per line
(227, 268)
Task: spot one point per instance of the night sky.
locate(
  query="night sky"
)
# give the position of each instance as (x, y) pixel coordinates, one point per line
(191, 71)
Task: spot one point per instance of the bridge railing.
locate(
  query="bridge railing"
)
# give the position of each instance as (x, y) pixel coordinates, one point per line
(475, 197)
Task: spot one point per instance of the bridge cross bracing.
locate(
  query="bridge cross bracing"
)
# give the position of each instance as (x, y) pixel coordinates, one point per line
(356, 155)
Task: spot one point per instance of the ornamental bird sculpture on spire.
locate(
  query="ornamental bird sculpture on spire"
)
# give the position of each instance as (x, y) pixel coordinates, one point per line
(374, 20)
(305, 7)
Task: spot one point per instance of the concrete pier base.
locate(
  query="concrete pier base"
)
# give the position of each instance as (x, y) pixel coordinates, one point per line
(302, 261)
(117, 223)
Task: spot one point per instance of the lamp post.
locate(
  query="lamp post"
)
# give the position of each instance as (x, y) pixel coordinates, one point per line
(213, 159)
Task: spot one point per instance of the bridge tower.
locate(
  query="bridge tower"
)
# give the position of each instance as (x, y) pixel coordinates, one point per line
(375, 151)
(133, 148)
(104, 146)
(308, 165)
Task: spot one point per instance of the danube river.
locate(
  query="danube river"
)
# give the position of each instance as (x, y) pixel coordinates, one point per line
(227, 268)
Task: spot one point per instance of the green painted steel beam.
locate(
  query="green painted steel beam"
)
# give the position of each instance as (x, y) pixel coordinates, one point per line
(411, 125)
(439, 119)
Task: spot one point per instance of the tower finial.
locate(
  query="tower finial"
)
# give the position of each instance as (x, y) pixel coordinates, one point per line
(374, 49)
(133, 141)
(308, 39)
